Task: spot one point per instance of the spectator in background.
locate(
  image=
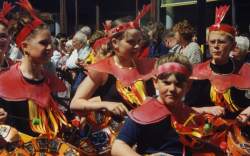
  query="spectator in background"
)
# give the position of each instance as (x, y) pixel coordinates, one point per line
(56, 52)
(80, 52)
(145, 42)
(156, 47)
(87, 31)
(77, 58)
(170, 41)
(240, 52)
(183, 34)
(62, 39)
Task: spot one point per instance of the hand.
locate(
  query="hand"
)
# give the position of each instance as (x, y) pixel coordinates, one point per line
(81, 63)
(3, 115)
(116, 108)
(214, 110)
(63, 67)
(244, 116)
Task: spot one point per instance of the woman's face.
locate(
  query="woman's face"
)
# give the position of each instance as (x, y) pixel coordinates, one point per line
(129, 45)
(4, 39)
(39, 47)
(220, 46)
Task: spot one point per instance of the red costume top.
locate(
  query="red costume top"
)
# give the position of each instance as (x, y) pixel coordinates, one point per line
(127, 76)
(13, 87)
(41, 105)
(222, 82)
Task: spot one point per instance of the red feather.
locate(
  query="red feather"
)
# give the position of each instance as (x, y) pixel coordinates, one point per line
(7, 7)
(27, 6)
(220, 13)
(143, 12)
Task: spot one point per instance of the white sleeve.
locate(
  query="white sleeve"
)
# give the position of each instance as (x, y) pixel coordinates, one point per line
(56, 57)
(71, 61)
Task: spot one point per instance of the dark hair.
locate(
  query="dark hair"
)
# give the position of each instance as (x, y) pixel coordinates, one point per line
(119, 35)
(22, 19)
(61, 35)
(120, 21)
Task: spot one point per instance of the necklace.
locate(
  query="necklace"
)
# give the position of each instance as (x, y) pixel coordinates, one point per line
(122, 67)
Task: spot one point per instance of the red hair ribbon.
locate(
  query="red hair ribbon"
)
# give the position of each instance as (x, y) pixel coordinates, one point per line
(7, 7)
(130, 25)
(28, 28)
(219, 16)
(172, 67)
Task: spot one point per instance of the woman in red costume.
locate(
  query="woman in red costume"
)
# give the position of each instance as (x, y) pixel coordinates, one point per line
(117, 80)
(4, 36)
(26, 89)
(4, 43)
(221, 85)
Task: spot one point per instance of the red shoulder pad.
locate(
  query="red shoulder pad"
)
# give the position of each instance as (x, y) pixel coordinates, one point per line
(13, 87)
(222, 82)
(201, 71)
(151, 111)
(143, 71)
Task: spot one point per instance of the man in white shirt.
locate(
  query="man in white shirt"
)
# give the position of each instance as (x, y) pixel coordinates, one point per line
(81, 51)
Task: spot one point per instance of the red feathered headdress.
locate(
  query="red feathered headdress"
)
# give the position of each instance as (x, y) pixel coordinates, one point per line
(120, 28)
(219, 16)
(28, 28)
(7, 7)
(98, 43)
(129, 25)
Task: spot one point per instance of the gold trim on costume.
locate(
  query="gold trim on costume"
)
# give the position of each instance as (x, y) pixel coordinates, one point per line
(134, 94)
(223, 99)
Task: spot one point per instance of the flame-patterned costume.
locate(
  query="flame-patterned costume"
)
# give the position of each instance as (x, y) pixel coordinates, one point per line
(28, 101)
(127, 85)
(225, 85)
(29, 104)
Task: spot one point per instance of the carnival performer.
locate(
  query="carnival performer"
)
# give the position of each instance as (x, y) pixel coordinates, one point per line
(114, 79)
(221, 85)
(150, 125)
(4, 36)
(26, 89)
(240, 51)
(4, 43)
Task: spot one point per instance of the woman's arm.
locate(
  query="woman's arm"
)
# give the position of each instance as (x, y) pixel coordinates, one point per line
(120, 148)
(81, 101)
(213, 110)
